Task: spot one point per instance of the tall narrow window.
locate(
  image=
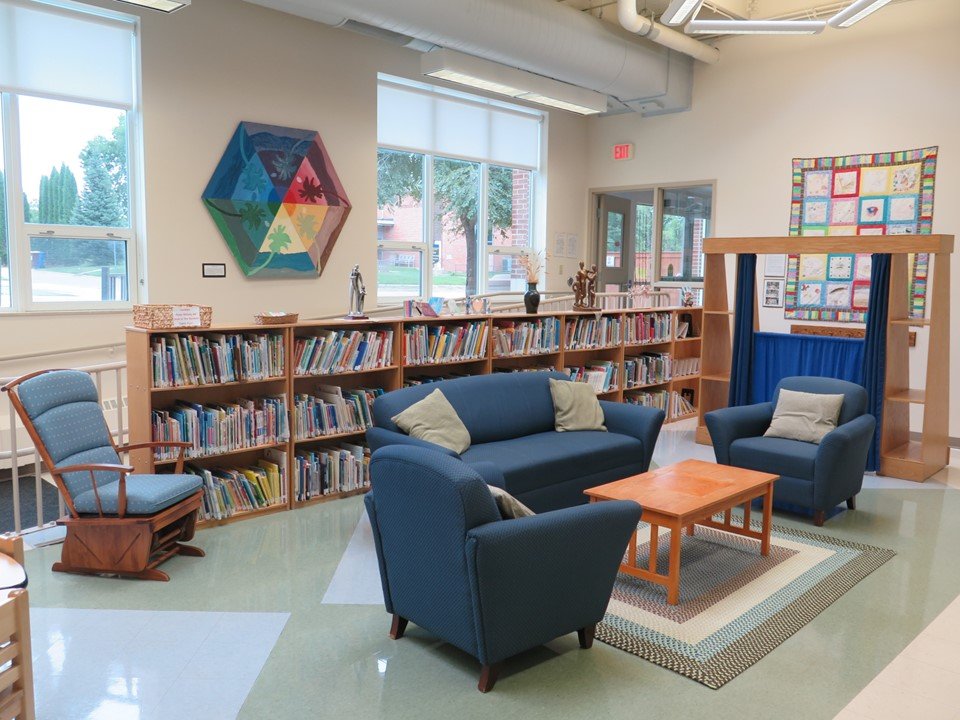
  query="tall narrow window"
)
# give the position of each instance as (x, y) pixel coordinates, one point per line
(400, 226)
(686, 222)
(4, 242)
(456, 202)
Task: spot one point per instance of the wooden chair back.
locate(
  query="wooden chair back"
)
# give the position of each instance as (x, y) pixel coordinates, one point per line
(16, 669)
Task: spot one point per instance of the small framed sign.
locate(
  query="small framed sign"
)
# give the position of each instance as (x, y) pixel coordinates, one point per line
(214, 270)
(773, 293)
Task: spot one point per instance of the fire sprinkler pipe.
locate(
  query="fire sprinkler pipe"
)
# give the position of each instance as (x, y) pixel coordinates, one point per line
(636, 23)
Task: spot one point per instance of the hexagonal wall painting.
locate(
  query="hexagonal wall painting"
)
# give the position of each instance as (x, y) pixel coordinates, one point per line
(277, 200)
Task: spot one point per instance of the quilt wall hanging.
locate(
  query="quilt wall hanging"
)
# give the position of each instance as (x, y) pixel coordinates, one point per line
(277, 200)
(878, 194)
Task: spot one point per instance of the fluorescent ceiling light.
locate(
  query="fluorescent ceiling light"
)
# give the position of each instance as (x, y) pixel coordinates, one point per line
(496, 78)
(678, 11)
(855, 12)
(755, 27)
(167, 6)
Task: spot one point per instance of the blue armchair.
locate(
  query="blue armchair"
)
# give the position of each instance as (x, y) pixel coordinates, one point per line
(491, 587)
(817, 477)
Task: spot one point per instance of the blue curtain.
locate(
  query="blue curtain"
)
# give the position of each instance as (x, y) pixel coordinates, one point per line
(777, 355)
(875, 348)
(741, 363)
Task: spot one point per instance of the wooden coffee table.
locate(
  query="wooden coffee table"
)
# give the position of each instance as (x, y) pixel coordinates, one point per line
(685, 494)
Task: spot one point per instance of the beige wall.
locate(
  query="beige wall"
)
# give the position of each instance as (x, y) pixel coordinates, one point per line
(204, 70)
(889, 83)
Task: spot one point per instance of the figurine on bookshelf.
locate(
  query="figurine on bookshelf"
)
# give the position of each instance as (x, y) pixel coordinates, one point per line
(358, 293)
(686, 297)
(585, 288)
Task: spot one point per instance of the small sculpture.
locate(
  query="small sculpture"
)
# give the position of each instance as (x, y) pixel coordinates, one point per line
(585, 288)
(358, 293)
(686, 296)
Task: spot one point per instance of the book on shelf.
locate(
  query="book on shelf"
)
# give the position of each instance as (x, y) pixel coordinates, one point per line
(228, 491)
(601, 376)
(682, 367)
(214, 358)
(330, 470)
(535, 368)
(680, 404)
(526, 337)
(216, 428)
(647, 369)
(656, 399)
(593, 332)
(687, 319)
(647, 328)
(339, 351)
(428, 344)
(333, 410)
(682, 330)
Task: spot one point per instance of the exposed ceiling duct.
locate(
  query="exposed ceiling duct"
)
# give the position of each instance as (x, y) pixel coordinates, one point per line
(539, 36)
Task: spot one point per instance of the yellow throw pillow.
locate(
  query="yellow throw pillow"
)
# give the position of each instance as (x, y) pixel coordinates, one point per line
(575, 407)
(433, 419)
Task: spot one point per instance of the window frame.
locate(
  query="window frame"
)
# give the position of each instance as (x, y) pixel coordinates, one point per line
(485, 251)
(20, 233)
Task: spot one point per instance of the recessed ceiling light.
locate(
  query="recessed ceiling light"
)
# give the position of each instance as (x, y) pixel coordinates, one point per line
(167, 6)
(678, 11)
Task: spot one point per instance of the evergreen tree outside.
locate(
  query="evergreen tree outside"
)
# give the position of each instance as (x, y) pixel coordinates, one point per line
(58, 197)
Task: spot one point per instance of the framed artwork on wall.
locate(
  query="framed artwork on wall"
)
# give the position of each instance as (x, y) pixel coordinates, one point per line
(773, 292)
(874, 194)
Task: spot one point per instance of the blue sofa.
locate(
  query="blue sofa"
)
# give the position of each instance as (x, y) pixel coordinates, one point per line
(814, 477)
(491, 587)
(513, 442)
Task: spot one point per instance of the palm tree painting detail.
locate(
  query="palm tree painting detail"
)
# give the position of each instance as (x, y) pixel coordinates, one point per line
(277, 200)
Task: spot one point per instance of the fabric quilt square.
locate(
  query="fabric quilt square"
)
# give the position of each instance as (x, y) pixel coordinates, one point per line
(846, 183)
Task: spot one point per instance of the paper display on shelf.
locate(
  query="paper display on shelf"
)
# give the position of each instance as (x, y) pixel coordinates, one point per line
(185, 315)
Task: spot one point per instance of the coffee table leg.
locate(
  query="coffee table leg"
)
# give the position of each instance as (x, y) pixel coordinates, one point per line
(673, 579)
(746, 514)
(632, 549)
(654, 547)
(690, 529)
(767, 519)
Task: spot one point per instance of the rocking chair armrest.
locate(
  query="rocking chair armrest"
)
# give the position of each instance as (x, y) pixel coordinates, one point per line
(91, 468)
(153, 444)
(107, 467)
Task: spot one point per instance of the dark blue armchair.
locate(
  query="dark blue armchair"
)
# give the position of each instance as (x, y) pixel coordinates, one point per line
(491, 587)
(817, 477)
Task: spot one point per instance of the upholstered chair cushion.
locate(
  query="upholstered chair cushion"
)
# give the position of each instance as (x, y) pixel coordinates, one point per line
(146, 494)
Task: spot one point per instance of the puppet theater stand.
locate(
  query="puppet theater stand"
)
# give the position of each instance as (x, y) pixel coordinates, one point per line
(901, 455)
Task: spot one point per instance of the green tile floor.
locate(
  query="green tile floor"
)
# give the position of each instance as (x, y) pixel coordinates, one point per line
(336, 660)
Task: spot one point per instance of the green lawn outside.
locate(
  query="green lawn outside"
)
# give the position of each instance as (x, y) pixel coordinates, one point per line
(411, 276)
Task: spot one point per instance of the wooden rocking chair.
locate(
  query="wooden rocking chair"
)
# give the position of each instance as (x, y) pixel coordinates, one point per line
(119, 523)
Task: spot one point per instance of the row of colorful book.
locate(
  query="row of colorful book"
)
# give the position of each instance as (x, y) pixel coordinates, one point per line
(682, 403)
(228, 491)
(658, 399)
(647, 369)
(646, 328)
(340, 351)
(212, 358)
(216, 428)
(601, 376)
(333, 410)
(526, 337)
(683, 367)
(330, 470)
(593, 332)
(428, 344)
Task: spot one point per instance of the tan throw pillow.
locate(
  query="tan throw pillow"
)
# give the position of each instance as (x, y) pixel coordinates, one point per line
(433, 419)
(510, 508)
(575, 407)
(804, 416)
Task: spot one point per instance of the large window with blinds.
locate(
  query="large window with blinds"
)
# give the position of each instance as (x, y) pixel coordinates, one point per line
(68, 210)
(457, 176)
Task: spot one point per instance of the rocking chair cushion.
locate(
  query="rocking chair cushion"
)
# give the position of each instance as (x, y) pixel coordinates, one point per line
(146, 494)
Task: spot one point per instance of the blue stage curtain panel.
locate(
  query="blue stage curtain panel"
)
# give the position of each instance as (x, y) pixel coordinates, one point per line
(875, 349)
(742, 361)
(777, 355)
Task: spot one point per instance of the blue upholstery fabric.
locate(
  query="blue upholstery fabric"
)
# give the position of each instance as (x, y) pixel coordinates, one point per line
(490, 587)
(493, 407)
(65, 409)
(510, 418)
(812, 476)
(537, 461)
(146, 494)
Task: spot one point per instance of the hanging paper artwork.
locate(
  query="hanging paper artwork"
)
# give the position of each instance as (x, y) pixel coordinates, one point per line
(277, 200)
(878, 194)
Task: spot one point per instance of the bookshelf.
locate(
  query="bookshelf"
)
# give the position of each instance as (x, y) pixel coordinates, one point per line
(310, 380)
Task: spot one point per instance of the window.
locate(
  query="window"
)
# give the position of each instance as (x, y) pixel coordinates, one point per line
(686, 222)
(455, 193)
(67, 219)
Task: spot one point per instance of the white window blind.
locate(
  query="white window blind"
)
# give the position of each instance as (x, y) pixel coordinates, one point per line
(420, 120)
(56, 52)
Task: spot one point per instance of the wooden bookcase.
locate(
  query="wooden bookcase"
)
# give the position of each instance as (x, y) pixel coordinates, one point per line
(143, 397)
(900, 455)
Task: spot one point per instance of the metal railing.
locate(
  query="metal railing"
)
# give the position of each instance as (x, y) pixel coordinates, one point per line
(109, 377)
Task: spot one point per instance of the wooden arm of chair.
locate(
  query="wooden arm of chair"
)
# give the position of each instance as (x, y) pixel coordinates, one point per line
(159, 443)
(124, 470)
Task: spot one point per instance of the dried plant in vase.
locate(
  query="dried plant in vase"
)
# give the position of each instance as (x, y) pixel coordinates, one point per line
(531, 265)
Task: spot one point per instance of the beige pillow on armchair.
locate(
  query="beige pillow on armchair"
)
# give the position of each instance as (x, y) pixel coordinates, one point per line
(806, 417)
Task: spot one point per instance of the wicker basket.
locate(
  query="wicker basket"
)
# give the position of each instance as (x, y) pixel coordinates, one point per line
(161, 317)
(284, 319)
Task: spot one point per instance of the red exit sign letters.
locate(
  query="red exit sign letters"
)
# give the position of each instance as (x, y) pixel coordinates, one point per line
(623, 151)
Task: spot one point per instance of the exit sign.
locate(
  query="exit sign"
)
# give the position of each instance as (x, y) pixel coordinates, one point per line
(623, 151)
